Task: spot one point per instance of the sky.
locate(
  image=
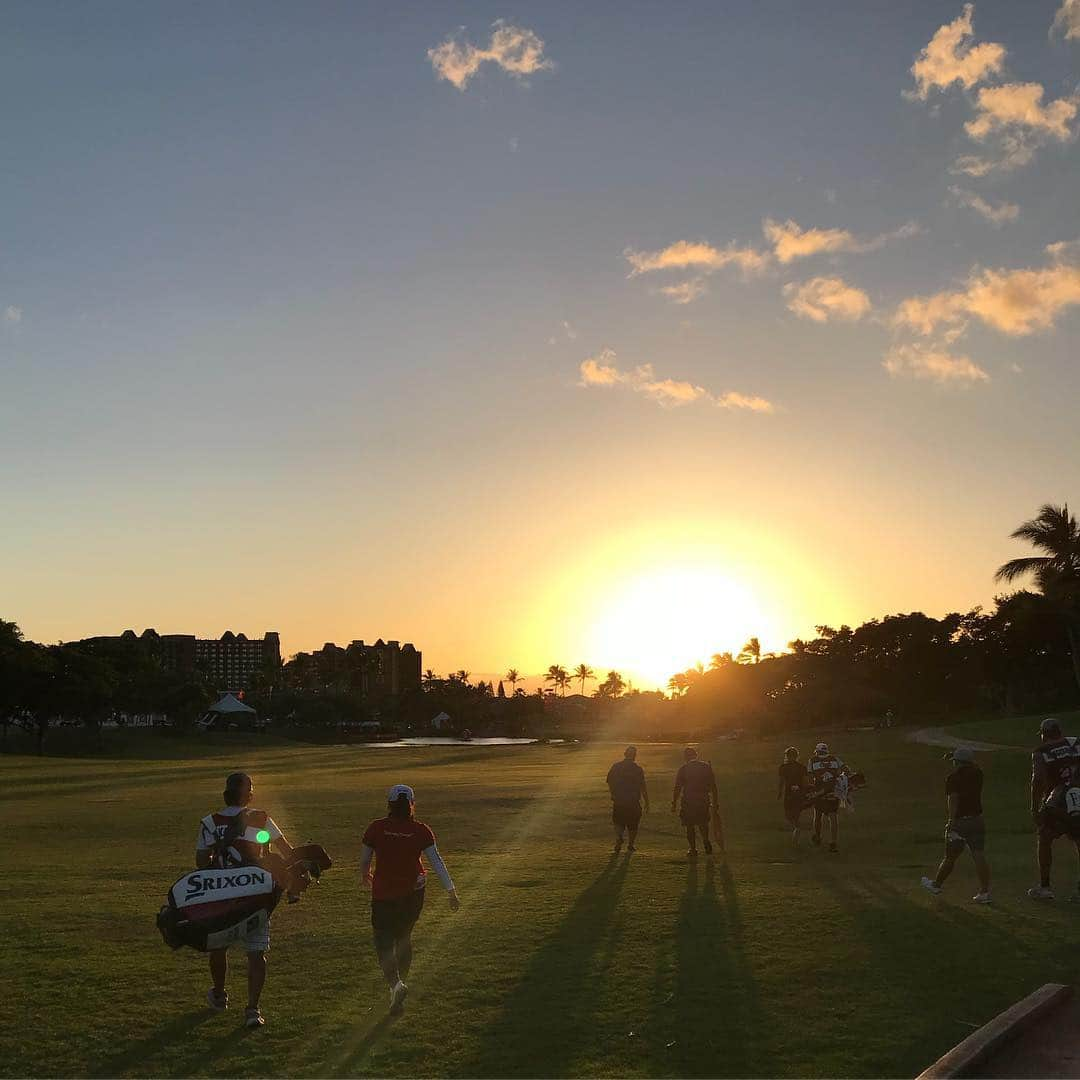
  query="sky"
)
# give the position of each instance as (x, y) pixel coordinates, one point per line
(532, 334)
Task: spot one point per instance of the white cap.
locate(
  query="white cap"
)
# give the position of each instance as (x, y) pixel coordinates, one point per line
(398, 790)
(821, 748)
(963, 755)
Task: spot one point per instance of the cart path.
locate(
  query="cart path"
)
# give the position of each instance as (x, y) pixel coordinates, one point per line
(933, 736)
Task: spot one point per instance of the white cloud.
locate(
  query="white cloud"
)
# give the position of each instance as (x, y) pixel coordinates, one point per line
(996, 215)
(514, 49)
(790, 241)
(1067, 20)
(12, 314)
(825, 298)
(1013, 302)
(697, 255)
(934, 363)
(1020, 106)
(1065, 251)
(1015, 122)
(951, 58)
(602, 371)
(686, 292)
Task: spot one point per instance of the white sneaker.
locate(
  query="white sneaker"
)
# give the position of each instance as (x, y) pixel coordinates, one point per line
(397, 998)
(929, 886)
(1041, 892)
(217, 1002)
(253, 1018)
(982, 898)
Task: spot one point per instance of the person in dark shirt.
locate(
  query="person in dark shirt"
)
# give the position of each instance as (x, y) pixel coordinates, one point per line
(965, 827)
(1055, 799)
(626, 782)
(792, 790)
(696, 783)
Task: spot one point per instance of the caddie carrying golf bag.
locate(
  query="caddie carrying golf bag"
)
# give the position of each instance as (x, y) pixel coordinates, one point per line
(211, 908)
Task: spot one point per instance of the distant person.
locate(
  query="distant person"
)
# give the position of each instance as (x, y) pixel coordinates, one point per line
(1055, 799)
(965, 826)
(792, 789)
(696, 783)
(222, 842)
(626, 782)
(397, 843)
(823, 772)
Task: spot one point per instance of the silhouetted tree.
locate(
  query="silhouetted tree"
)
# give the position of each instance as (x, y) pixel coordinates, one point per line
(1056, 572)
(583, 672)
(559, 677)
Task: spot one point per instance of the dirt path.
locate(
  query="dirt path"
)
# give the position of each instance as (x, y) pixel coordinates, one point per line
(932, 736)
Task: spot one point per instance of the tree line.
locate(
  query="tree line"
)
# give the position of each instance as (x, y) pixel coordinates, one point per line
(1022, 655)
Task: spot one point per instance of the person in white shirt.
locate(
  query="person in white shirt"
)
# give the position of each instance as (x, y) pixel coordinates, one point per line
(223, 842)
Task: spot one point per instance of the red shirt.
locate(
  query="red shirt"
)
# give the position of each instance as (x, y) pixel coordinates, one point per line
(397, 843)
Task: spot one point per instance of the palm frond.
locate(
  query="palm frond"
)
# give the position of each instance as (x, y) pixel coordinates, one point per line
(1016, 568)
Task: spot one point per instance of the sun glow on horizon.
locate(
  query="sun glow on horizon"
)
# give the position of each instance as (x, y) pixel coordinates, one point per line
(668, 620)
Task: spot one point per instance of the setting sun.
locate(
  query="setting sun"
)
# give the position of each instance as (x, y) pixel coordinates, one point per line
(667, 621)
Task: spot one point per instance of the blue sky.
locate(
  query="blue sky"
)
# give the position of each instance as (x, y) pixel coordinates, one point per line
(294, 327)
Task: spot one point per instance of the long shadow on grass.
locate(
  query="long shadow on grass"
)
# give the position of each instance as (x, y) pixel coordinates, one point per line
(720, 1028)
(548, 1019)
(133, 1058)
(940, 965)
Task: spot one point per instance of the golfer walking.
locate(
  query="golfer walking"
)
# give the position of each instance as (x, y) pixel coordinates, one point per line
(399, 844)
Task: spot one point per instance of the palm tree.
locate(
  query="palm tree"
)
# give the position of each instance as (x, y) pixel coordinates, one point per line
(583, 672)
(429, 677)
(750, 652)
(559, 677)
(612, 686)
(678, 685)
(1057, 573)
(721, 660)
(513, 678)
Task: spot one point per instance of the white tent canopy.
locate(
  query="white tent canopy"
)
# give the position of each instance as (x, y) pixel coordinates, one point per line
(230, 705)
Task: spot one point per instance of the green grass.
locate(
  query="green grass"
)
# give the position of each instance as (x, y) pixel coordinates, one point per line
(560, 962)
(1018, 731)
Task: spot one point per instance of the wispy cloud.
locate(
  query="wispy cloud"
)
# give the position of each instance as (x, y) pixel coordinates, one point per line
(602, 371)
(686, 292)
(951, 57)
(1020, 106)
(514, 49)
(696, 255)
(12, 314)
(934, 363)
(1067, 21)
(1065, 251)
(1013, 302)
(825, 298)
(997, 214)
(1015, 123)
(790, 241)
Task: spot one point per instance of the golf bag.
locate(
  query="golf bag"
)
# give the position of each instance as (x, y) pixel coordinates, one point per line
(843, 790)
(1060, 811)
(846, 787)
(212, 908)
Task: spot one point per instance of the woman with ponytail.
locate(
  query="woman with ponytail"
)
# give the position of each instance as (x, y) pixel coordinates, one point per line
(399, 845)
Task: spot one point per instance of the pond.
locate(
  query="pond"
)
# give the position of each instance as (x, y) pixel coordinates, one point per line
(438, 740)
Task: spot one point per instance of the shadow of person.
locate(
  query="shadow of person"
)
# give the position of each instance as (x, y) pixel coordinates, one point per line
(350, 1058)
(720, 1028)
(172, 1036)
(550, 1014)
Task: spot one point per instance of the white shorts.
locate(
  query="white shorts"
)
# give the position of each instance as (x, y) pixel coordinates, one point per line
(258, 940)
